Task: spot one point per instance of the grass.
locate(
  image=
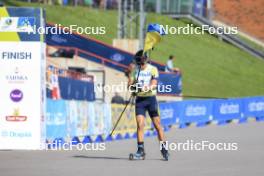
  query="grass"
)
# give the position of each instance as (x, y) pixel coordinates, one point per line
(210, 67)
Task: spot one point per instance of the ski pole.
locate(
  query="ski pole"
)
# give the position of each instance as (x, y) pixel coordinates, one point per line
(130, 98)
(120, 116)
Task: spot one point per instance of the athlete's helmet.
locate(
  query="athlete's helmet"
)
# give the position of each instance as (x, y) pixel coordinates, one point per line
(140, 57)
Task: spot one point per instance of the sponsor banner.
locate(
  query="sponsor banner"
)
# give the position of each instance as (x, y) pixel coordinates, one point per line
(77, 118)
(91, 118)
(227, 109)
(17, 24)
(253, 107)
(101, 120)
(98, 120)
(127, 124)
(107, 118)
(170, 84)
(22, 59)
(194, 111)
(200, 111)
(21, 94)
(82, 118)
(94, 118)
(72, 114)
(56, 122)
(21, 24)
(168, 113)
(73, 89)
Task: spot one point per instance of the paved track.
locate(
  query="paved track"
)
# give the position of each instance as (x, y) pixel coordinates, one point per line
(248, 160)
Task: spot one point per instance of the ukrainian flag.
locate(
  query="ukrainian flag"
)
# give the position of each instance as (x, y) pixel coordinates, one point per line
(154, 33)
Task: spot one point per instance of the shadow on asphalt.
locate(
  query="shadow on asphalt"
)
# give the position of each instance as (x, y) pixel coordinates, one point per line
(99, 157)
(106, 157)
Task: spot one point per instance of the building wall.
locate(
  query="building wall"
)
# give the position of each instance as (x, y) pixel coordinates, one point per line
(247, 15)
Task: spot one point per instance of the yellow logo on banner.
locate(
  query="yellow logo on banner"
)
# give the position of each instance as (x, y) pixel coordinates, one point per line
(127, 123)
(7, 36)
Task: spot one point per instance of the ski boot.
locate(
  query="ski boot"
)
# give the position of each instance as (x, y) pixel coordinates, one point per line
(165, 153)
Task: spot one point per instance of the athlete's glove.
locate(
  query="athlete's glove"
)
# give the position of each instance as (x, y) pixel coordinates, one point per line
(135, 88)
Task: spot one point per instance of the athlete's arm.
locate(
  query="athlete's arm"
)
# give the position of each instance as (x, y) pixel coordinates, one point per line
(130, 82)
(131, 85)
(153, 84)
(131, 78)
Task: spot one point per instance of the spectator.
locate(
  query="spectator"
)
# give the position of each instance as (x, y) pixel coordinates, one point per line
(53, 83)
(117, 99)
(96, 3)
(170, 66)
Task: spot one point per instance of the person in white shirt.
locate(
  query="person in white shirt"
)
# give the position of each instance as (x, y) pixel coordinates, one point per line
(170, 66)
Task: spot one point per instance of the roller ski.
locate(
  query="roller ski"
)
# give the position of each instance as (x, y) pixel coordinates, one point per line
(136, 156)
(139, 155)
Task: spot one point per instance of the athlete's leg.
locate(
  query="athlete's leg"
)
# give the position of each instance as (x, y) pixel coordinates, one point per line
(153, 112)
(140, 154)
(140, 128)
(158, 127)
(140, 118)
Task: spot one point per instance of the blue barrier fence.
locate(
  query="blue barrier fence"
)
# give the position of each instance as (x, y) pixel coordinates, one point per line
(77, 118)
(73, 119)
(204, 111)
(174, 81)
(56, 119)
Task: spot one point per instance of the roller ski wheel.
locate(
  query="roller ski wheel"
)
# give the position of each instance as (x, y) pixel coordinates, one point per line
(165, 154)
(136, 156)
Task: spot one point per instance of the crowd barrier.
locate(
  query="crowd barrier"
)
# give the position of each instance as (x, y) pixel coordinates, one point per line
(80, 121)
(128, 122)
(202, 112)
(69, 118)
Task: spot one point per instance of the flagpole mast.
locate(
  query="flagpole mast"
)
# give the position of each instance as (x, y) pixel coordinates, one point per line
(131, 20)
(141, 24)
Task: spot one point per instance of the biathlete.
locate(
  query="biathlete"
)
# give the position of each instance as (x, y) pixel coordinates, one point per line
(144, 80)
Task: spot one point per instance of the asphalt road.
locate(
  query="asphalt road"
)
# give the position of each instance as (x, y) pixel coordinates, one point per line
(247, 160)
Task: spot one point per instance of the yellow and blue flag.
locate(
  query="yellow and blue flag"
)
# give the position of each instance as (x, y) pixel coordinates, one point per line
(154, 33)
